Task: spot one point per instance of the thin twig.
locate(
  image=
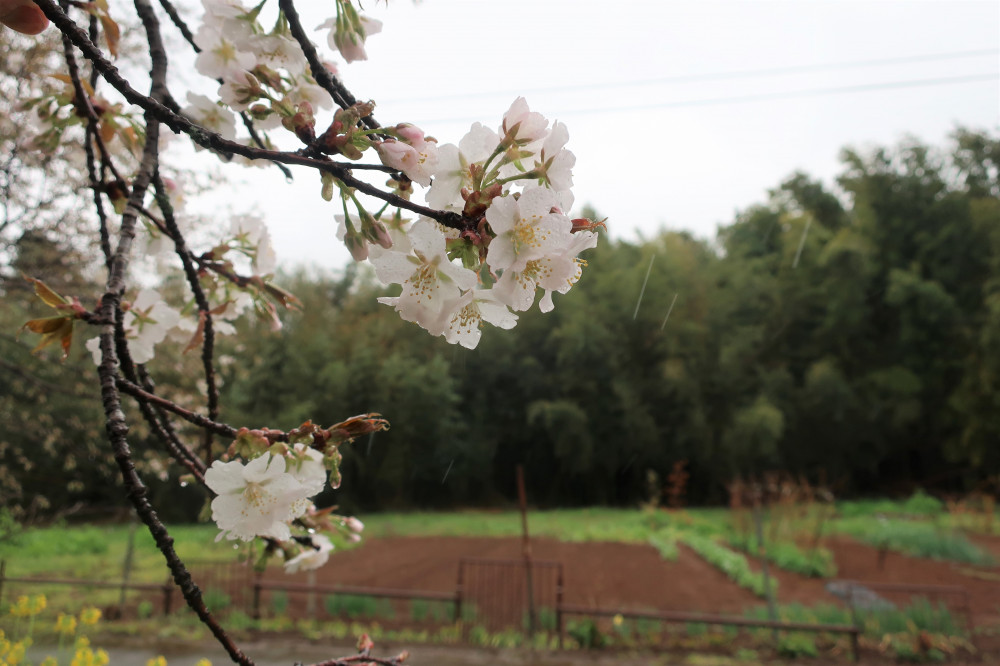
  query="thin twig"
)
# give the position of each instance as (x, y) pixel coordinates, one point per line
(204, 309)
(139, 393)
(320, 73)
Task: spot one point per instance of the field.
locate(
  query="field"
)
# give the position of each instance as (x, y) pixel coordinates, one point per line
(626, 560)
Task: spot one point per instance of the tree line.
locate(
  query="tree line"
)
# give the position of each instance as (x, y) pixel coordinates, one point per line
(846, 334)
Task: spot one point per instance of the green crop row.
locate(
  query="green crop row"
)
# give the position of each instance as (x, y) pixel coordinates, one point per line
(786, 555)
(731, 563)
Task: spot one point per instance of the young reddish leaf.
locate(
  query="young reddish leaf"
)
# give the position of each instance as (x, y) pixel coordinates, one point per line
(107, 131)
(199, 334)
(45, 325)
(52, 329)
(44, 292)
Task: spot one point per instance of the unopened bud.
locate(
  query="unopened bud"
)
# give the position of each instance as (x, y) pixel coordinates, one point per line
(357, 246)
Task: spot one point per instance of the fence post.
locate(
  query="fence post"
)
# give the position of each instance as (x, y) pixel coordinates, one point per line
(855, 648)
(127, 567)
(168, 595)
(559, 603)
(458, 597)
(255, 613)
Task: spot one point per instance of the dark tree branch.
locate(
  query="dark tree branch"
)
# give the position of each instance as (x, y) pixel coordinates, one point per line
(211, 140)
(116, 425)
(142, 395)
(204, 309)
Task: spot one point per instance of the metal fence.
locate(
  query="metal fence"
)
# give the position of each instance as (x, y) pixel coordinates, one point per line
(493, 595)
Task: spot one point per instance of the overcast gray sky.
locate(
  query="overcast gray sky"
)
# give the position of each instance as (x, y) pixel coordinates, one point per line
(680, 112)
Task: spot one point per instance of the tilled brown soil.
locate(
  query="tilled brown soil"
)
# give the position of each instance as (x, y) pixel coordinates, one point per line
(633, 576)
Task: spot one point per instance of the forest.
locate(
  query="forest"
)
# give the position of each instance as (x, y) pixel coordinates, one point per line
(846, 334)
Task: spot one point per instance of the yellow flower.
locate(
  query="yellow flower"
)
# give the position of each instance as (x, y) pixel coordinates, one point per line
(38, 604)
(617, 620)
(82, 643)
(50, 661)
(65, 624)
(203, 662)
(15, 655)
(90, 615)
(86, 657)
(20, 607)
(157, 661)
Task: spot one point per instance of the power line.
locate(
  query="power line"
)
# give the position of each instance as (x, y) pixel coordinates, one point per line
(761, 97)
(715, 76)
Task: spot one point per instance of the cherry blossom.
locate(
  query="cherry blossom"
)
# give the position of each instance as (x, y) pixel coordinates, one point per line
(555, 163)
(428, 277)
(521, 125)
(525, 228)
(219, 57)
(454, 166)
(415, 155)
(313, 555)
(465, 316)
(210, 115)
(256, 499)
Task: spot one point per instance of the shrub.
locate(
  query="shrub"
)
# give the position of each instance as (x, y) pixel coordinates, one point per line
(279, 602)
(354, 606)
(419, 610)
(145, 609)
(922, 504)
(216, 600)
(586, 633)
(795, 645)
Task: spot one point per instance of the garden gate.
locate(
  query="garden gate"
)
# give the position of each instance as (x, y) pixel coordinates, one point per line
(494, 594)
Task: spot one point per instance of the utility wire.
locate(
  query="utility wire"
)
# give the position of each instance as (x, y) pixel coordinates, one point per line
(715, 76)
(760, 97)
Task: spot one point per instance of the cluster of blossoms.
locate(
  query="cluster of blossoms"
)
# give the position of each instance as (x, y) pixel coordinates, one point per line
(264, 72)
(270, 495)
(512, 189)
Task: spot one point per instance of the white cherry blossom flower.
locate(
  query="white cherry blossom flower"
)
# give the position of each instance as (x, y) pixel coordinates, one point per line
(312, 556)
(428, 277)
(465, 316)
(565, 269)
(521, 125)
(277, 51)
(147, 323)
(220, 57)
(555, 162)
(453, 168)
(210, 115)
(239, 90)
(256, 499)
(525, 228)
